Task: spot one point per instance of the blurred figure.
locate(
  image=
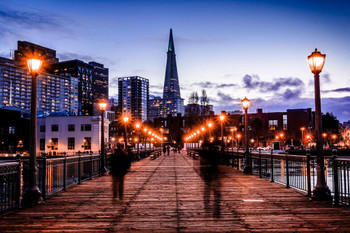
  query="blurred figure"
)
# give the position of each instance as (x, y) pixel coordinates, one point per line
(120, 163)
(168, 150)
(209, 171)
(164, 150)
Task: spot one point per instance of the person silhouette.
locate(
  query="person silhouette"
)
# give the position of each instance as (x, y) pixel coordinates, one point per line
(120, 163)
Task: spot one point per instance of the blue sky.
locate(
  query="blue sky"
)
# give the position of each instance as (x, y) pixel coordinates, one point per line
(232, 49)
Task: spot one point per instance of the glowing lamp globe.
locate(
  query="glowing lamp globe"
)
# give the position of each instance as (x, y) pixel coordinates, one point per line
(34, 65)
(102, 105)
(316, 61)
(245, 103)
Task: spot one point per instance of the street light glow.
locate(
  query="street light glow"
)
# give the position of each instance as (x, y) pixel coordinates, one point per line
(316, 61)
(102, 105)
(34, 65)
(245, 103)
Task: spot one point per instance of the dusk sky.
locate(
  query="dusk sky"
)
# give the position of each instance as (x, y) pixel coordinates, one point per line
(232, 49)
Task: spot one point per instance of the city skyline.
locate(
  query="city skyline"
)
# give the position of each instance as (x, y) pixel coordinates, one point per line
(232, 49)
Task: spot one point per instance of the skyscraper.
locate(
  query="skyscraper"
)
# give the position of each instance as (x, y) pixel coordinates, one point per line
(133, 94)
(173, 103)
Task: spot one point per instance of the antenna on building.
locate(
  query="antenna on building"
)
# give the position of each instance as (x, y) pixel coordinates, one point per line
(10, 54)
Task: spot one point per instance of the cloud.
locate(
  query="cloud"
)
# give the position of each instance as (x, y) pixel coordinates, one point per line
(113, 82)
(345, 89)
(291, 94)
(209, 85)
(73, 56)
(253, 82)
(325, 78)
(12, 21)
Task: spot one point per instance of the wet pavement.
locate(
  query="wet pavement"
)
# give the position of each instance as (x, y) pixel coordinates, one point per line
(178, 194)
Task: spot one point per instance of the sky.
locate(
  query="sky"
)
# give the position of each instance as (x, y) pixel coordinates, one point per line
(232, 49)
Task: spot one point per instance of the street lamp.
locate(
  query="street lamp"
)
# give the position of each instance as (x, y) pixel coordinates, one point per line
(209, 126)
(321, 191)
(145, 132)
(137, 126)
(245, 104)
(33, 195)
(161, 131)
(203, 129)
(103, 106)
(222, 118)
(126, 120)
(324, 135)
(302, 135)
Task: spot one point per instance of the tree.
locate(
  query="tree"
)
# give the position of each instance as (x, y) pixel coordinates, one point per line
(257, 126)
(330, 123)
(204, 104)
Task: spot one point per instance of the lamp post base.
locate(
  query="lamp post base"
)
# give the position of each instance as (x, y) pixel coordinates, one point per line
(321, 194)
(247, 170)
(32, 197)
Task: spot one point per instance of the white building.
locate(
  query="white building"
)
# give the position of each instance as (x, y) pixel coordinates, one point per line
(70, 134)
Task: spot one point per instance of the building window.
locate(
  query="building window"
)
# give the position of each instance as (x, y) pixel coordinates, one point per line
(285, 122)
(54, 143)
(87, 143)
(54, 128)
(42, 144)
(11, 130)
(42, 128)
(273, 124)
(85, 127)
(71, 143)
(71, 127)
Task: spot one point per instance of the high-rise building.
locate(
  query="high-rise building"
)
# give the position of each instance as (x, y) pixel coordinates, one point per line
(83, 72)
(173, 103)
(26, 50)
(133, 94)
(99, 81)
(55, 93)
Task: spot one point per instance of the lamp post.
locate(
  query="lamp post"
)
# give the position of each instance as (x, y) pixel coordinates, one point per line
(321, 191)
(222, 118)
(209, 126)
(145, 137)
(302, 135)
(161, 131)
(245, 104)
(103, 106)
(137, 126)
(126, 120)
(203, 129)
(324, 135)
(32, 195)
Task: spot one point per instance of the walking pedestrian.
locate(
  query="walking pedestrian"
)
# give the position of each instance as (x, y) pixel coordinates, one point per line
(120, 163)
(168, 150)
(164, 150)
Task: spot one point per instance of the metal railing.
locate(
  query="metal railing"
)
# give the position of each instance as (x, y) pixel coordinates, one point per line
(341, 180)
(296, 171)
(55, 174)
(10, 177)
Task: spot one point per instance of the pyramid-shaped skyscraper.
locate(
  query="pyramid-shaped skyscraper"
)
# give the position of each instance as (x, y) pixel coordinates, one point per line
(173, 103)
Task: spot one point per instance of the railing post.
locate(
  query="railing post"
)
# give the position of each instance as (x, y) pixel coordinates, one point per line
(260, 175)
(65, 173)
(79, 167)
(43, 191)
(272, 178)
(308, 173)
(91, 167)
(335, 177)
(18, 186)
(287, 171)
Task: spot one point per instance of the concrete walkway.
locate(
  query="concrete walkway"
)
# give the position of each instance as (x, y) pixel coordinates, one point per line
(178, 194)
